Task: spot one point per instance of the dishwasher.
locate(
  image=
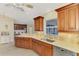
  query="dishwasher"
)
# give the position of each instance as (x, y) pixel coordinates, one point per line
(58, 51)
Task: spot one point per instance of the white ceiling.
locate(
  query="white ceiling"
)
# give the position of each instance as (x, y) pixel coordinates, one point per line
(27, 15)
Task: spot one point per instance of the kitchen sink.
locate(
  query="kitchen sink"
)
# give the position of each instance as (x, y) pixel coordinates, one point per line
(50, 40)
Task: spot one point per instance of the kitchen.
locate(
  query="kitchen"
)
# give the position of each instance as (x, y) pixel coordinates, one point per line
(50, 33)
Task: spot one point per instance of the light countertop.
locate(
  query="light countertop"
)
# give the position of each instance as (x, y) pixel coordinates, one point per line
(66, 43)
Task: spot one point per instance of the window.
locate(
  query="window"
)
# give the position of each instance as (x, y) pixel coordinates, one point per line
(51, 27)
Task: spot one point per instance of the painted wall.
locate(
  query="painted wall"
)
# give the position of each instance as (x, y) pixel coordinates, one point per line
(51, 22)
(6, 29)
(52, 14)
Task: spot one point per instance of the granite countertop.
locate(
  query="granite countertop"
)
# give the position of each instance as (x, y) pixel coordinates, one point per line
(66, 43)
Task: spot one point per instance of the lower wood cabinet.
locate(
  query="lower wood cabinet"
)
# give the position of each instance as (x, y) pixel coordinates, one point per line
(40, 47)
(23, 42)
(17, 41)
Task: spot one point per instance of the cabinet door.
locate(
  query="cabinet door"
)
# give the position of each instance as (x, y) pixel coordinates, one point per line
(35, 46)
(61, 20)
(40, 49)
(45, 49)
(72, 13)
(41, 25)
(49, 51)
(27, 43)
(17, 42)
(22, 42)
(36, 24)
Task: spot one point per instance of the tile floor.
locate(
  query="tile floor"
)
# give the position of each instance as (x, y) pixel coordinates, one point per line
(11, 50)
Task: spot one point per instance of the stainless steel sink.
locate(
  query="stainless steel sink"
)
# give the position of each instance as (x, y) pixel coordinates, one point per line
(50, 40)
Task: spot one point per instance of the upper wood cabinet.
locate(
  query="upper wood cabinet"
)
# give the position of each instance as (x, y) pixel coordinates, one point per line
(61, 21)
(38, 23)
(68, 18)
(72, 18)
(20, 26)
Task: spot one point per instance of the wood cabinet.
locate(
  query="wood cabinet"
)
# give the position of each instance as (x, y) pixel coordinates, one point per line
(17, 41)
(23, 42)
(28, 42)
(72, 18)
(61, 20)
(38, 23)
(42, 48)
(20, 26)
(68, 18)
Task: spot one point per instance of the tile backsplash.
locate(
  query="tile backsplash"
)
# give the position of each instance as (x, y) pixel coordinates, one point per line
(39, 32)
(69, 38)
(69, 35)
